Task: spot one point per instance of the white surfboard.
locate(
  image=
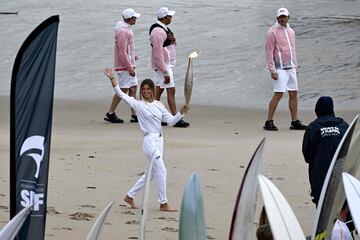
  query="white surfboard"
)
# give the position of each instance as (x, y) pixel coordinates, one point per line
(192, 220)
(11, 229)
(332, 195)
(145, 203)
(352, 191)
(245, 204)
(95, 231)
(283, 222)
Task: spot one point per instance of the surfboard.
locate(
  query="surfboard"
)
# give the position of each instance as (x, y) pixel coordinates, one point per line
(245, 204)
(192, 220)
(188, 85)
(332, 195)
(283, 222)
(352, 191)
(11, 229)
(145, 203)
(95, 231)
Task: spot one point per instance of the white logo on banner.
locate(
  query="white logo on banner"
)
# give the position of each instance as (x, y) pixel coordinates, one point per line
(31, 198)
(34, 142)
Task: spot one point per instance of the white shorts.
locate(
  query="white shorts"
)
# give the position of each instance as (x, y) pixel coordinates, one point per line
(159, 78)
(125, 80)
(287, 80)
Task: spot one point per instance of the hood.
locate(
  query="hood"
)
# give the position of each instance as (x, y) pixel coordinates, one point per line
(121, 24)
(329, 121)
(324, 106)
(277, 24)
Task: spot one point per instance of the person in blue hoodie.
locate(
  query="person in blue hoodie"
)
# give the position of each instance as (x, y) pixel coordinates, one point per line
(320, 141)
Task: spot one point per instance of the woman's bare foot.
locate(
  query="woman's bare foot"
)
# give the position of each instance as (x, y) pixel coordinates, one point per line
(130, 201)
(166, 208)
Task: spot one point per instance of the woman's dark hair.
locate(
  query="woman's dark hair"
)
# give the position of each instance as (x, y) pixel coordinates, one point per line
(263, 217)
(264, 232)
(148, 82)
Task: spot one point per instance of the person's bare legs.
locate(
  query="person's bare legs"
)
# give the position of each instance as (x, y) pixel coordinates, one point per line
(130, 201)
(166, 208)
(273, 104)
(116, 100)
(293, 105)
(132, 93)
(170, 97)
(171, 100)
(158, 93)
(114, 103)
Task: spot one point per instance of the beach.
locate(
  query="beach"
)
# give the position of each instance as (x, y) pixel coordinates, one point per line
(93, 162)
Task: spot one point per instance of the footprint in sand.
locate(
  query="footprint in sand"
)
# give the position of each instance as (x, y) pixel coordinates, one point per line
(132, 222)
(170, 229)
(212, 169)
(128, 213)
(140, 174)
(63, 228)
(169, 219)
(4, 207)
(88, 206)
(52, 210)
(277, 178)
(80, 216)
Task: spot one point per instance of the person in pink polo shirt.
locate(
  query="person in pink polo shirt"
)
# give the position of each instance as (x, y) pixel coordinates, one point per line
(124, 63)
(163, 59)
(281, 62)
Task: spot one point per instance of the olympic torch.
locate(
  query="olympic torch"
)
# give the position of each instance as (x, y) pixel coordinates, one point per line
(189, 77)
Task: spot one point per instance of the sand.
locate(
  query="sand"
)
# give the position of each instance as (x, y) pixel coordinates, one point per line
(93, 163)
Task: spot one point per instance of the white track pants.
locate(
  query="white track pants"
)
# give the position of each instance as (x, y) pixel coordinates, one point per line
(153, 147)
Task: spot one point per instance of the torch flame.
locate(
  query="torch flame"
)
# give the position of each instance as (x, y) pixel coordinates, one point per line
(194, 54)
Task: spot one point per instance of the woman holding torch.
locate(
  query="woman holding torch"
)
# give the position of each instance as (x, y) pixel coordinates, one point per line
(150, 114)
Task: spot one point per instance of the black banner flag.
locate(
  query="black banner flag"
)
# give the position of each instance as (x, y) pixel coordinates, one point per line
(31, 104)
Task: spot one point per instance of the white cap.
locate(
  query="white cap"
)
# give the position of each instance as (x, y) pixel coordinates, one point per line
(128, 13)
(163, 12)
(282, 12)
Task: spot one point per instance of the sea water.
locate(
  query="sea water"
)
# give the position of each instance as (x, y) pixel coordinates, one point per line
(230, 35)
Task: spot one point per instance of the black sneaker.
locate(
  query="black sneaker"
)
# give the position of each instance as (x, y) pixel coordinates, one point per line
(134, 119)
(163, 124)
(113, 118)
(182, 124)
(297, 125)
(269, 125)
